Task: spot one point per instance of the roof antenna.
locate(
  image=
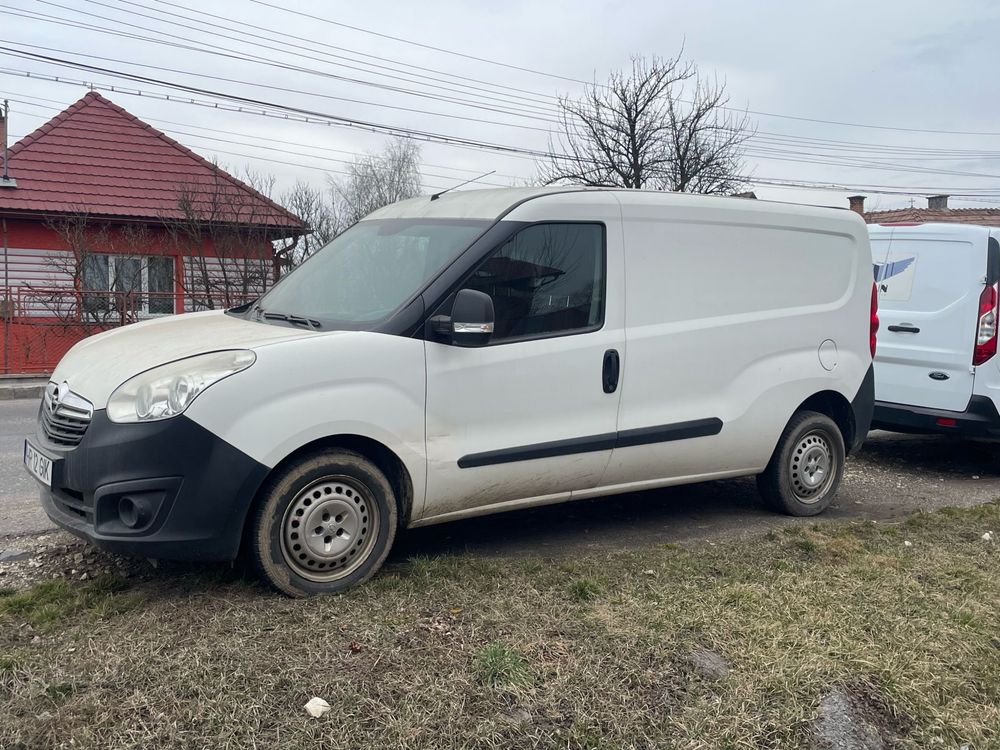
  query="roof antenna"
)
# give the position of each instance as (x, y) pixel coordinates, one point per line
(453, 187)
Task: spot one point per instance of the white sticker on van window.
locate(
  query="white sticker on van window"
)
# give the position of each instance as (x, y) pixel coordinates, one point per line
(895, 277)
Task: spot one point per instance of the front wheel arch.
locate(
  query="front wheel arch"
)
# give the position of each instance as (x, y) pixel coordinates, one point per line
(379, 454)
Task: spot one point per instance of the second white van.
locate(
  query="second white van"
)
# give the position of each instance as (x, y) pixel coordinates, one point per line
(471, 353)
(937, 368)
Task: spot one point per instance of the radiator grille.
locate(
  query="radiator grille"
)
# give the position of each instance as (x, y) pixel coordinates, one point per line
(64, 416)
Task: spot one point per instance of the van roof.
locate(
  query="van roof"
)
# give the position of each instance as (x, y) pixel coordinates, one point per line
(495, 202)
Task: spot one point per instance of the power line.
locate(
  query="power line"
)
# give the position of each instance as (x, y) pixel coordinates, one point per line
(812, 158)
(510, 107)
(418, 44)
(271, 147)
(250, 101)
(282, 89)
(783, 136)
(757, 113)
(319, 118)
(545, 99)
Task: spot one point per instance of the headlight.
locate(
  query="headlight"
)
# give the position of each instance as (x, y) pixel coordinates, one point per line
(167, 390)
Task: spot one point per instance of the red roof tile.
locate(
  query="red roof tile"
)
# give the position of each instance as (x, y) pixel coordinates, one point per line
(983, 216)
(96, 158)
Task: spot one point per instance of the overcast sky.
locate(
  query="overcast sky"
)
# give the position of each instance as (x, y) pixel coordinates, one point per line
(905, 66)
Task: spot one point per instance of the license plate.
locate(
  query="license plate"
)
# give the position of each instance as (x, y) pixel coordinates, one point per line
(40, 466)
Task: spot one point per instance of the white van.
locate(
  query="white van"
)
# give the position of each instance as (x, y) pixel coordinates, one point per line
(937, 369)
(465, 354)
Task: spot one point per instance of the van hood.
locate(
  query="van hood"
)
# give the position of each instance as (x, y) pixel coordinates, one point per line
(96, 366)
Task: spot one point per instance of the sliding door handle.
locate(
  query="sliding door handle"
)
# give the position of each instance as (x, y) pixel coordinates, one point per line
(612, 366)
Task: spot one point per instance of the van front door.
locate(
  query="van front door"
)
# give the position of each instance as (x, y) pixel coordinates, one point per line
(929, 281)
(532, 415)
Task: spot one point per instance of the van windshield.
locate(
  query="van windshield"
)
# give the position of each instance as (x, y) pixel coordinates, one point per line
(363, 275)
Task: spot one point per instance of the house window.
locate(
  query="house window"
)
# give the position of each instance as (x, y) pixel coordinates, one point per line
(142, 286)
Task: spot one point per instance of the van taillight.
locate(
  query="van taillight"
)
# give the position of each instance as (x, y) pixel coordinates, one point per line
(873, 322)
(986, 331)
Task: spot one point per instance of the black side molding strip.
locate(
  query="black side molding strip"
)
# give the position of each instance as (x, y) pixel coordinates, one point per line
(666, 433)
(540, 450)
(625, 439)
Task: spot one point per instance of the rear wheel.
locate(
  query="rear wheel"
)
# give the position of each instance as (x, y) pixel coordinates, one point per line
(805, 471)
(323, 524)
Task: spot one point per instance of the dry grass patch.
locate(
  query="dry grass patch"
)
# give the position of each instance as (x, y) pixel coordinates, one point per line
(735, 645)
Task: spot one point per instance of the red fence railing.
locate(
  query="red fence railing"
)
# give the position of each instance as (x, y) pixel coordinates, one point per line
(40, 324)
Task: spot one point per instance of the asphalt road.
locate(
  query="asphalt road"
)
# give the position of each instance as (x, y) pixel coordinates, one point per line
(892, 476)
(19, 509)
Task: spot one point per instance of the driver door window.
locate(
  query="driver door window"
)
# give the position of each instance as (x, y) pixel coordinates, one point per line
(547, 280)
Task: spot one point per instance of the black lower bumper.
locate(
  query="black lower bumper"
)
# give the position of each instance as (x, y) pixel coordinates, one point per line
(167, 490)
(979, 420)
(862, 408)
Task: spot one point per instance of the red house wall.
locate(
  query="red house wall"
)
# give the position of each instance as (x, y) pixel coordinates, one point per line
(36, 344)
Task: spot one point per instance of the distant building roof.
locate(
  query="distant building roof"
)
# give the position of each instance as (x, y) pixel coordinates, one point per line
(98, 159)
(983, 216)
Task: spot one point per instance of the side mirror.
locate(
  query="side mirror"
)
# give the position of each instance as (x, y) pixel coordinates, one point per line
(471, 319)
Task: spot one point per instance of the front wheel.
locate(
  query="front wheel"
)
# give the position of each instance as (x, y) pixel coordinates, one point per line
(323, 524)
(806, 467)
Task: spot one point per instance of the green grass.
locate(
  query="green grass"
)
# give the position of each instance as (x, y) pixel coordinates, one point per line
(499, 666)
(606, 650)
(49, 604)
(584, 590)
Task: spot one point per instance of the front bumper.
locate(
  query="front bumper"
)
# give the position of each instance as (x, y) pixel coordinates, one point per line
(979, 420)
(188, 490)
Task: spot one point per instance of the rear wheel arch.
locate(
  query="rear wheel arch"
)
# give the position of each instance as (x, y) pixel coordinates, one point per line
(835, 406)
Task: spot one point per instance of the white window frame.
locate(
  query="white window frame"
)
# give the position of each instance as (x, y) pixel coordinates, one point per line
(143, 292)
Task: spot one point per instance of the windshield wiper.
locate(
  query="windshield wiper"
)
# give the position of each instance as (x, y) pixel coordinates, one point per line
(297, 320)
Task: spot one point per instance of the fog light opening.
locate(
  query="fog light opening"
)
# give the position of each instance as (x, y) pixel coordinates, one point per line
(133, 513)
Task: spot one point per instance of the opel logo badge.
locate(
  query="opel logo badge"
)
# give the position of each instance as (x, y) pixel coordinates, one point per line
(60, 394)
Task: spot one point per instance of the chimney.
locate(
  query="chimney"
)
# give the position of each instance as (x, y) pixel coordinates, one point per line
(857, 203)
(5, 179)
(937, 201)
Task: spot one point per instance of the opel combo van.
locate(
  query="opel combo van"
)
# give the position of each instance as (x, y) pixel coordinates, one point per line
(465, 354)
(937, 368)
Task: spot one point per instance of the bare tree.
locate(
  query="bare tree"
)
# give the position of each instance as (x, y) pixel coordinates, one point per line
(376, 180)
(226, 237)
(314, 207)
(658, 125)
(707, 141)
(85, 286)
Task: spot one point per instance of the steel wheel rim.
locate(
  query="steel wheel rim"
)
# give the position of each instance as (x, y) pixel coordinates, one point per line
(329, 528)
(812, 467)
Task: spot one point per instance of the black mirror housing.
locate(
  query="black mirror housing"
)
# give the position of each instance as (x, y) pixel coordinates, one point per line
(472, 318)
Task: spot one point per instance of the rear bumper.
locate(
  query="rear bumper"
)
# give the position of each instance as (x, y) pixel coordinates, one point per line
(862, 406)
(189, 489)
(980, 419)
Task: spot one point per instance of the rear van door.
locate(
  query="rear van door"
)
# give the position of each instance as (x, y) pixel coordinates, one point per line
(929, 281)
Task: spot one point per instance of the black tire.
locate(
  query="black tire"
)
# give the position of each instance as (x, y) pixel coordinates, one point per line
(323, 524)
(811, 449)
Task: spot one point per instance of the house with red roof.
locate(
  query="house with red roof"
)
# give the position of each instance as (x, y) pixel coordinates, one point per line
(937, 210)
(105, 220)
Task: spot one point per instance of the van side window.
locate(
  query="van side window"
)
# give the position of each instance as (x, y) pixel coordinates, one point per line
(547, 279)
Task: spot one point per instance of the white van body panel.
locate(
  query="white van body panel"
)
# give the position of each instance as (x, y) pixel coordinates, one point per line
(348, 383)
(931, 278)
(97, 365)
(727, 306)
